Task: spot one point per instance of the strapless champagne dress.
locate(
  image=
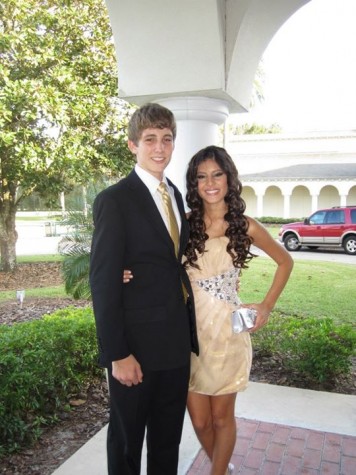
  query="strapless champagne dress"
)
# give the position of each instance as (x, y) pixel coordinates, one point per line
(224, 363)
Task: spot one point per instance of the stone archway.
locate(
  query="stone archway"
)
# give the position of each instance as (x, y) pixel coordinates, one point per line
(301, 202)
(249, 195)
(328, 197)
(198, 58)
(273, 202)
(351, 197)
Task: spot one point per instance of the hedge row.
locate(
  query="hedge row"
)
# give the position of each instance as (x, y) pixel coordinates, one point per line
(42, 363)
(271, 220)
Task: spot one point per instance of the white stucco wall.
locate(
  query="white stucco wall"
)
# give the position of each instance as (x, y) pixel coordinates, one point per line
(294, 197)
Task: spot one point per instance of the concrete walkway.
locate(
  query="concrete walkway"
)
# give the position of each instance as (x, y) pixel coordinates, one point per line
(281, 430)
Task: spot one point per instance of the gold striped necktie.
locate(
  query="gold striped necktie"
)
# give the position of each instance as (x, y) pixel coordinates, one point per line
(172, 221)
(173, 226)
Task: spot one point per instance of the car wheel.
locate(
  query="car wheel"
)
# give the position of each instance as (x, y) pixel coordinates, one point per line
(350, 245)
(291, 242)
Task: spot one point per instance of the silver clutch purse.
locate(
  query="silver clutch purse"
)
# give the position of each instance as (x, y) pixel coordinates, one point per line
(243, 319)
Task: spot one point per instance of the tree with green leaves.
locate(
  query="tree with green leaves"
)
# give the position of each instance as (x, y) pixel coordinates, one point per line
(61, 122)
(253, 129)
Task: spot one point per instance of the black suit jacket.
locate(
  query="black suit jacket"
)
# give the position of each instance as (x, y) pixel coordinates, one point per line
(148, 316)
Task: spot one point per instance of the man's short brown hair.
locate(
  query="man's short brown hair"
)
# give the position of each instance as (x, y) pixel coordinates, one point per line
(150, 116)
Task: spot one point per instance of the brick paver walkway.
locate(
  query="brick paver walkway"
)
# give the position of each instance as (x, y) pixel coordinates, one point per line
(272, 449)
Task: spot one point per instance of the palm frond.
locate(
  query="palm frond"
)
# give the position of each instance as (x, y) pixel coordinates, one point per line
(75, 247)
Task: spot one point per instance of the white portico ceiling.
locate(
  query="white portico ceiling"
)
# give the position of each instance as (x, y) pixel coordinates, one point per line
(181, 48)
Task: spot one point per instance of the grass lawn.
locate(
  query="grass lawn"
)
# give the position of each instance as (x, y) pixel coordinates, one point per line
(315, 289)
(40, 258)
(43, 292)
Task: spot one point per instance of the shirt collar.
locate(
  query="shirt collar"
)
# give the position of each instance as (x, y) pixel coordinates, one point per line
(149, 180)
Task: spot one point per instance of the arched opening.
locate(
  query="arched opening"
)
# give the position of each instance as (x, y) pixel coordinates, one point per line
(250, 198)
(273, 202)
(300, 203)
(351, 197)
(329, 197)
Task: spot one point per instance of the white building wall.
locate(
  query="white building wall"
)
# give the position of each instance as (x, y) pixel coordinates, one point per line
(293, 198)
(272, 151)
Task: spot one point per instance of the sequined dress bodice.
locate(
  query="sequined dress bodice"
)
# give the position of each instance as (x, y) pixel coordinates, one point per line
(222, 286)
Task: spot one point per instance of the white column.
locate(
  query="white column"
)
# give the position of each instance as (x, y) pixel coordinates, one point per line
(314, 204)
(198, 120)
(286, 206)
(260, 204)
(343, 200)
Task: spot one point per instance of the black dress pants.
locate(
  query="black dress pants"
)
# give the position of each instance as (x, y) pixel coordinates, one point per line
(156, 405)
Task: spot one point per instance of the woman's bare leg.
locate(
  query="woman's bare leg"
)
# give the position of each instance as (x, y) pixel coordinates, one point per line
(213, 419)
(199, 409)
(223, 414)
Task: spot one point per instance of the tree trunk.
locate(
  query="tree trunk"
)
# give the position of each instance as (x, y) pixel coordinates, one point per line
(85, 201)
(63, 203)
(8, 235)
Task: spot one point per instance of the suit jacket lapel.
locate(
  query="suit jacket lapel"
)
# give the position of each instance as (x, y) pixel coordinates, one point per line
(143, 198)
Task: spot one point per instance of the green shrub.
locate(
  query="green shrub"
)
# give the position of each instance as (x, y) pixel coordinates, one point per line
(266, 342)
(314, 348)
(42, 364)
(276, 220)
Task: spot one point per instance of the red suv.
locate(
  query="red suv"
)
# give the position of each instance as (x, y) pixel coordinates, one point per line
(332, 227)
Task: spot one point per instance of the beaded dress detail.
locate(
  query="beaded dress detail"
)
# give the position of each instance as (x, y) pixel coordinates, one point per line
(224, 363)
(222, 286)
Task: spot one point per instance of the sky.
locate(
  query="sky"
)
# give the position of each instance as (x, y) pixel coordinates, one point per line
(310, 71)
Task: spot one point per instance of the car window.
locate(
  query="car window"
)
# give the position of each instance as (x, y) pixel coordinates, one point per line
(353, 216)
(317, 218)
(335, 217)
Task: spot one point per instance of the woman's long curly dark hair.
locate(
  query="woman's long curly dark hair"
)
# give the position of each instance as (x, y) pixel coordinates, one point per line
(239, 241)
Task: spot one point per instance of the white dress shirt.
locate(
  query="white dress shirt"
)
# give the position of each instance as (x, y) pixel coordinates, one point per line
(152, 184)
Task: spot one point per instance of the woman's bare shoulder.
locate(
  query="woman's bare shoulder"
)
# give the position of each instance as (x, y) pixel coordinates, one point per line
(255, 227)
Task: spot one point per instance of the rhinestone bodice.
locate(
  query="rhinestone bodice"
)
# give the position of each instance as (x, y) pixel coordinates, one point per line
(222, 286)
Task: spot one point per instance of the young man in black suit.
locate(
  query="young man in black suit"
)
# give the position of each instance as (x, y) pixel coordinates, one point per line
(146, 330)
